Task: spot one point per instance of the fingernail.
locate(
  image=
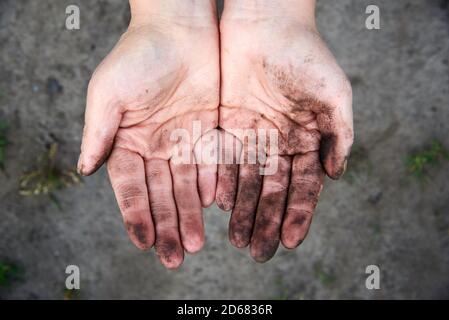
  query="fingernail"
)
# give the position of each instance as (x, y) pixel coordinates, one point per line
(341, 170)
(345, 165)
(80, 166)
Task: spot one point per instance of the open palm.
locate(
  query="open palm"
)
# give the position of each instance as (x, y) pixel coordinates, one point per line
(155, 81)
(277, 74)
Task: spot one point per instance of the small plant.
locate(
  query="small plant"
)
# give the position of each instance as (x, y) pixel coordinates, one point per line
(324, 277)
(48, 178)
(71, 294)
(418, 164)
(8, 272)
(3, 143)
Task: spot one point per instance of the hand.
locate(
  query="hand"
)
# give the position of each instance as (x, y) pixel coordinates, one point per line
(161, 76)
(278, 74)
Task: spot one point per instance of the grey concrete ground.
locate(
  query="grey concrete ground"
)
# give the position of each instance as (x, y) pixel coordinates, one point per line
(378, 214)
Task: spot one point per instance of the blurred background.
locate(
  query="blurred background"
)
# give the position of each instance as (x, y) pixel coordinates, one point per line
(391, 209)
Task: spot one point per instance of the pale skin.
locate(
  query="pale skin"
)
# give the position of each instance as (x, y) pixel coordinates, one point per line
(165, 72)
(162, 75)
(277, 73)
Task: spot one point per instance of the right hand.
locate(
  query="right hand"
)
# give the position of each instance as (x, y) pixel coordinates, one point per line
(162, 75)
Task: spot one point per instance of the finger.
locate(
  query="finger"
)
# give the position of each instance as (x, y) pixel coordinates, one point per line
(267, 227)
(305, 186)
(206, 156)
(163, 208)
(188, 204)
(127, 174)
(229, 149)
(226, 186)
(248, 191)
(242, 217)
(337, 134)
(102, 120)
(207, 184)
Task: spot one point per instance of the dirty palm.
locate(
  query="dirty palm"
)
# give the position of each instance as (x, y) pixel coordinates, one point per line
(163, 76)
(278, 74)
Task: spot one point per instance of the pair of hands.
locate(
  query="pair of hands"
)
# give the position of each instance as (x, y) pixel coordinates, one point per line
(264, 67)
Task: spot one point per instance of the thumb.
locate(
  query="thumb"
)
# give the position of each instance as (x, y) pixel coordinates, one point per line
(102, 120)
(337, 134)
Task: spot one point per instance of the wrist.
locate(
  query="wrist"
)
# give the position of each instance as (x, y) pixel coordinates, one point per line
(189, 13)
(302, 11)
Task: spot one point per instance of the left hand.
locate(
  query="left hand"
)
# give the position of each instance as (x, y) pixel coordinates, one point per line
(278, 74)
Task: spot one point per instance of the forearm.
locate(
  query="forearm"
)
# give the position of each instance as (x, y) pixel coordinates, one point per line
(302, 11)
(182, 12)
